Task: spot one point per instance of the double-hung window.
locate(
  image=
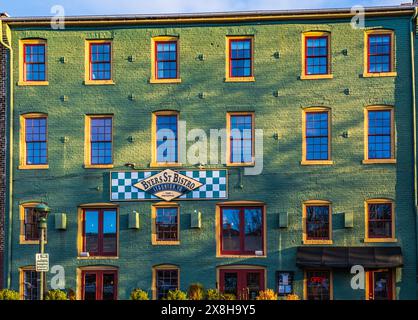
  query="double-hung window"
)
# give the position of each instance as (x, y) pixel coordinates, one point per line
(99, 141)
(98, 62)
(166, 226)
(379, 53)
(166, 146)
(380, 222)
(316, 55)
(165, 60)
(240, 135)
(34, 141)
(33, 62)
(165, 278)
(240, 59)
(379, 139)
(317, 222)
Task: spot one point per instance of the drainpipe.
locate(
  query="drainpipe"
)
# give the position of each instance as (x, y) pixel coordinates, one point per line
(414, 113)
(9, 174)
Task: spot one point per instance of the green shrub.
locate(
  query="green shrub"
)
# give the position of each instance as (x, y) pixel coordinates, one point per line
(213, 294)
(7, 294)
(268, 294)
(56, 295)
(176, 295)
(71, 294)
(196, 291)
(138, 294)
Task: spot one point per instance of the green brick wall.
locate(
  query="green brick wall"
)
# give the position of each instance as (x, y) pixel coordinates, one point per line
(283, 185)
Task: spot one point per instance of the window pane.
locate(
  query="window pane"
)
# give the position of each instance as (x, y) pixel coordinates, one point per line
(231, 283)
(166, 138)
(109, 286)
(166, 60)
(231, 229)
(101, 140)
(91, 231)
(166, 224)
(109, 232)
(317, 222)
(90, 286)
(316, 58)
(285, 283)
(241, 138)
(100, 61)
(382, 285)
(166, 280)
(31, 224)
(240, 58)
(380, 220)
(30, 285)
(318, 285)
(36, 141)
(35, 67)
(316, 135)
(380, 134)
(253, 229)
(379, 55)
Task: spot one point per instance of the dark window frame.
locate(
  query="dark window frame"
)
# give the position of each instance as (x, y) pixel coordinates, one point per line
(101, 141)
(309, 295)
(386, 221)
(100, 273)
(369, 55)
(175, 225)
(158, 289)
(291, 282)
(29, 141)
(327, 226)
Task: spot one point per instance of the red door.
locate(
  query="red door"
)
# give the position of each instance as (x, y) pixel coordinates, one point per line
(244, 284)
(380, 284)
(99, 285)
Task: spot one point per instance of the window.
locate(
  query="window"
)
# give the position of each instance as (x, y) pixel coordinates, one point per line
(165, 60)
(165, 136)
(29, 283)
(166, 226)
(240, 145)
(242, 231)
(316, 55)
(318, 285)
(165, 278)
(99, 284)
(317, 222)
(379, 53)
(242, 282)
(100, 232)
(380, 284)
(239, 62)
(98, 62)
(33, 62)
(33, 141)
(316, 145)
(284, 283)
(379, 140)
(99, 141)
(380, 222)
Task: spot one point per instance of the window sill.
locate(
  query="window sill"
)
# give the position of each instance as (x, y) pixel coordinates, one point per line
(165, 243)
(240, 79)
(98, 166)
(177, 80)
(316, 76)
(165, 164)
(381, 74)
(98, 82)
(239, 256)
(317, 242)
(33, 167)
(380, 240)
(33, 83)
(30, 242)
(244, 164)
(379, 161)
(316, 162)
(98, 258)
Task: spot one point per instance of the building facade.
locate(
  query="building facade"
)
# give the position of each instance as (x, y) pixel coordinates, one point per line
(316, 174)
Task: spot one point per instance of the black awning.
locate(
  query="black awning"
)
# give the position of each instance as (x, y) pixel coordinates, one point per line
(346, 257)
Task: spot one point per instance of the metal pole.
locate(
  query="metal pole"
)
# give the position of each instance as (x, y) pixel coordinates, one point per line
(42, 250)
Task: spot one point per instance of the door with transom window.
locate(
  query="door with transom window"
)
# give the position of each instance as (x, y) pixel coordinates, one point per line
(244, 284)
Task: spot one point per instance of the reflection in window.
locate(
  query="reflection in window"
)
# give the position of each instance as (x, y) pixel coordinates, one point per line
(318, 285)
(101, 140)
(100, 232)
(379, 53)
(316, 55)
(31, 281)
(317, 138)
(36, 141)
(31, 224)
(166, 223)
(99, 285)
(379, 134)
(240, 58)
(317, 222)
(167, 138)
(100, 61)
(380, 220)
(35, 62)
(242, 230)
(166, 60)
(166, 280)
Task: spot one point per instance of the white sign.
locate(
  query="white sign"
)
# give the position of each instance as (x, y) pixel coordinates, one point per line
(42, 262)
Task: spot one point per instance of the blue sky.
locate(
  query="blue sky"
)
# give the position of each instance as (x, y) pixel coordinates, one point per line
(84, 7)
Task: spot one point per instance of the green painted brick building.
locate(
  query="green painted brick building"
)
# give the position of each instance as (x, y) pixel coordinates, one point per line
(317, 208)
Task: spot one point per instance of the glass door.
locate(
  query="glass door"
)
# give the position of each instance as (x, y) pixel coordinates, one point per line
(244, 284)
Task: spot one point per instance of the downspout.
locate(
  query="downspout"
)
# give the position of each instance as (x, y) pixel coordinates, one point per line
(414, 117)
(9, 174)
